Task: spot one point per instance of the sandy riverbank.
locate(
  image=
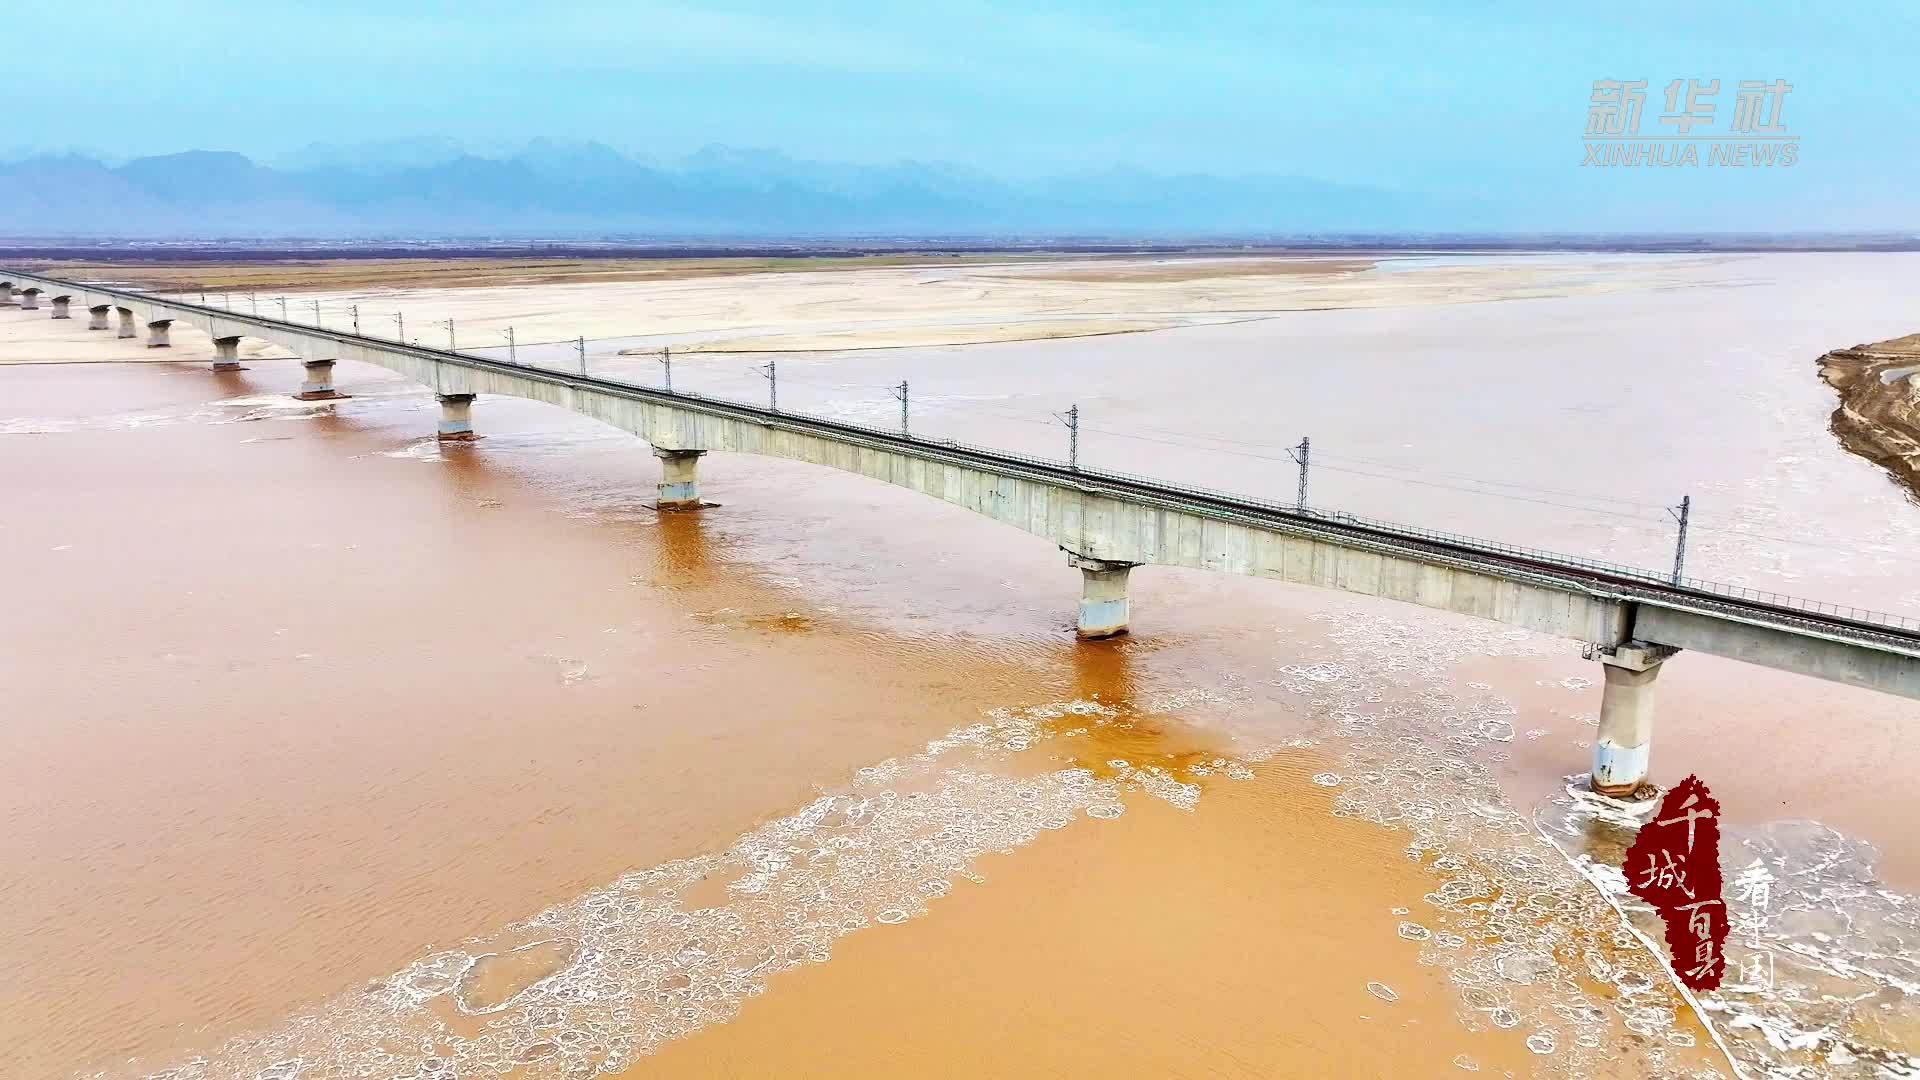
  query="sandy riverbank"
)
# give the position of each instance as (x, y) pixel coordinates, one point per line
(300, 276)
(1878, 417)
(801, 305)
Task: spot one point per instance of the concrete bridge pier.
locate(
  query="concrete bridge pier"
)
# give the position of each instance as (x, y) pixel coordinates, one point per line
(29, 299)
(317, 383)
(126, 324)
(456, 417)
(226, 354)
(157, 334)
(1104, 606)
(60, 307)
(679, 479)
(97, 316)
(1623, 745)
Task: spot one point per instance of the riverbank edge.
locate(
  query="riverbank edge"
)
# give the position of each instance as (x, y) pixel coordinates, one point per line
(1878, 417)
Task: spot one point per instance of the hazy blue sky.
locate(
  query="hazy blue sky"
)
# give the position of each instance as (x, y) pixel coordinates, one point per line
(1462, 97)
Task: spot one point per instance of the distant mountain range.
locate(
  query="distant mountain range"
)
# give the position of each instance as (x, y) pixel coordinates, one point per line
(431, 187)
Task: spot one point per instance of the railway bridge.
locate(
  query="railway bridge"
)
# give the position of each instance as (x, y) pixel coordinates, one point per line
(1632, 621)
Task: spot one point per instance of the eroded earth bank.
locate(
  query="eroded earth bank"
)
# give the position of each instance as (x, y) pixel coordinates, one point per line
(1878, 417)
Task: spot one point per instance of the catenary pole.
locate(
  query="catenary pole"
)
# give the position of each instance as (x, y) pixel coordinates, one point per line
(1299, 456)
(1071, 418)
(1681, 514)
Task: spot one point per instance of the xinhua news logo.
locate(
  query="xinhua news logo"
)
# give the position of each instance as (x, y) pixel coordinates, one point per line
(1754, 135)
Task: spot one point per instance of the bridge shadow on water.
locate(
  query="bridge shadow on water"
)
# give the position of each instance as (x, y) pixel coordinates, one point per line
(683, 554)
(1120, 721)
(679, 549)
(1104, 671)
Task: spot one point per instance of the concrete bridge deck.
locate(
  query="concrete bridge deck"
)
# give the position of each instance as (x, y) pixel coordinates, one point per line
(1108, 523)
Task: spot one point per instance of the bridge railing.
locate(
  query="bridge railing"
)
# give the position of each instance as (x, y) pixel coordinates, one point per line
(1864, 616)
(1551, 559)
(1796, 603)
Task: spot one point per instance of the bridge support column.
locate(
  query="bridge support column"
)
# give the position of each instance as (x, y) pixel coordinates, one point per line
(157, 334)
(679, 479)
(456, 417)
(1104, 607)
(126, 324)
(97, 317)
(60, 307)
(1623, 745)
(226, 354)
(317, 383)
(29, 299)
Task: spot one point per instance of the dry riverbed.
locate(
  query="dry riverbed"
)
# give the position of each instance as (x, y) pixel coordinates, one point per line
(833, 304)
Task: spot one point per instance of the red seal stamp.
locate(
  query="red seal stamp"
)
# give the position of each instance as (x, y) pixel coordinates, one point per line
(1674, 865)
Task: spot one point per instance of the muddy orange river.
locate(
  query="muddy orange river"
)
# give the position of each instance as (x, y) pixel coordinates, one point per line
(329, 751)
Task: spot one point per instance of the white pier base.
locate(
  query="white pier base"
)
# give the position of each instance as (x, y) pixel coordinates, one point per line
(1105, 609)
(317, 382)
(679, 479)
(1623, 747)
(456, 417)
